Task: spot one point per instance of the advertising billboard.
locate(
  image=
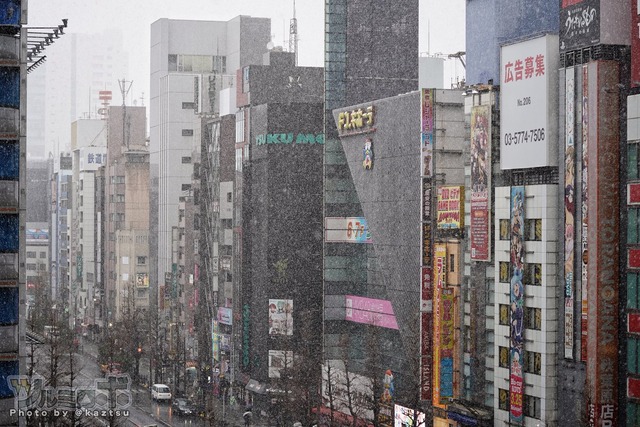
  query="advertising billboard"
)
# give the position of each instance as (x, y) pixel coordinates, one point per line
(635, 43)
(569, 210)
(280, 317)
(370, 311)
(142, 280)
(346, 230)
(225, 315)
(480, 227)
(579, 24)
(516, 320)
(447, 339)
(427, 126)
(405, 417)
(604, 231)
(92, 158)
(528, 76)
(585, 213)
(357, 387)
(279, 360)
(440, 278)
(450, 208)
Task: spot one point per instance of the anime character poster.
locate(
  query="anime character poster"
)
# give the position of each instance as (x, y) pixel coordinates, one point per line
(516, 381)
(480, 182)
(569, 212)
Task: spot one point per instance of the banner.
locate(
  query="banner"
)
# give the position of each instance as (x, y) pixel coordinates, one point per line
(480, 183)
(569, 211)
(440, 280)
(450, 208)
(516, 353)
(585, 203)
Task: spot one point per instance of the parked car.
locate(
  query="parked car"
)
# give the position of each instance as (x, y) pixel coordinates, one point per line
(183, 407)
(160, 392)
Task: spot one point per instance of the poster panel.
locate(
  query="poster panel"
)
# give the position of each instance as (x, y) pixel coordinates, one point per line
(585, 213)
(279, 360)
(280, 317)
(440, 277)
(450, 214)
(516, 379)
(142, 280)
(569, 211)
(370, 311)
(480, 182)
(525, 94)
(579, 24)
(346, 230)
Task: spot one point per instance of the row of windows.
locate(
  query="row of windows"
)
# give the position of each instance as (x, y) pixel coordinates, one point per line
(531, 363)
(532, 317)
(531, 405)
(532, 229)
(34, 267)
(33, 254)
(532, 274)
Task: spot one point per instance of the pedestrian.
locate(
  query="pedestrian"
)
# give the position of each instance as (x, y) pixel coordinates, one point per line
(247, 417)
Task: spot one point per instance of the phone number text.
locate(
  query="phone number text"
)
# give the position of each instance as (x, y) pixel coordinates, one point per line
(524, 136)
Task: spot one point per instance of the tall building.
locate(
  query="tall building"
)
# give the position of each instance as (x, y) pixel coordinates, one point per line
(89, 144)
(61, 198)
(179, 67)
(279, 123)
(358, 34)
(13, 72)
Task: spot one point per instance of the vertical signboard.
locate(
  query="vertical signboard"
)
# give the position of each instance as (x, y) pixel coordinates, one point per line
(579, 24)
(516, 380)
(480, 182)
(603, 244)
(450, 214)
(569, 211)
(440, 277)
(426, 270)
(585, 217)
(528, 70)
(635, 43)
(447, 326)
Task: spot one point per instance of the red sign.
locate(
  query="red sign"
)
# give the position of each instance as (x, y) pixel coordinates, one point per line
(633, 323)
(634, 258)
(633, 388)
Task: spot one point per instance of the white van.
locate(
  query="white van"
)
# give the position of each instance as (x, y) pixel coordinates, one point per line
(160, 392)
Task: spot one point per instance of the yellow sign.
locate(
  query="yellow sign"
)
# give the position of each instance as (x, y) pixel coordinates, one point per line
(355, 120)
(450, 208)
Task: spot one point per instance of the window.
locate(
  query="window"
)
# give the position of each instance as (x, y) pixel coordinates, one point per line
(31, 267)
(633, 225)
(533, 229)
(505, 227)
(186, 187)
(187, 132)
(81, 216)
(43, 254)
(503, 357)
(42, 267)
(188, 105)
(504, 314)
(532, 274)
(238, 159)
(172, 63)
(532, 362)
(452, 263)
(633, 287)
(90, 277)
(240, 126)
(533, 318)
(503, 399)
(503, 276)
(120, 198)
(531, 406)
(31, 254)
(196, 222)
(142, 260)
(633, 355)
(186, 160)
(229, 197)
(632, 161)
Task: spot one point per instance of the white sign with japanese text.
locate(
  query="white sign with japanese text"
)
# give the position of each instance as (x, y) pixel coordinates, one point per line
(528, 83)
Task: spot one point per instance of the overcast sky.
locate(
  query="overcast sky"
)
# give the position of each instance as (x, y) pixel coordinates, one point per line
(134, 17)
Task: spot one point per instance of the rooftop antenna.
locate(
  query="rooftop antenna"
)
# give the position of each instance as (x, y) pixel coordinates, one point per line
(293, 35)
(124, 90)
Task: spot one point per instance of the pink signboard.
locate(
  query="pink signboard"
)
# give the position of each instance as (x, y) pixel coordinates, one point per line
(376, 312)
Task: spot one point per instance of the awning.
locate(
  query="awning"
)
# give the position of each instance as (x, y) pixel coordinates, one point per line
(256, 387)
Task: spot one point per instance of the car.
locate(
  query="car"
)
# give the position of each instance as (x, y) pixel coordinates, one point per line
(160, 392)
(183, 407)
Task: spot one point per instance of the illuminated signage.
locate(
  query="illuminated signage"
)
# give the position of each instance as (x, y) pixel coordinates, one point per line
(288, 138)
(356, 121)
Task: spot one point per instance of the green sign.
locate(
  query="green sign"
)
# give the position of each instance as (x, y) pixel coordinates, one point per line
(288, 138)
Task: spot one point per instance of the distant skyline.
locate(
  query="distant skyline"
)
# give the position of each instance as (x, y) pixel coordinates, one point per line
(445, 20)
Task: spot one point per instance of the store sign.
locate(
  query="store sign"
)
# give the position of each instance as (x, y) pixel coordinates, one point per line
(370, 311)
(450, 207)
(290, 138)
(579, 24)
(356, 121)
(527, 90)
